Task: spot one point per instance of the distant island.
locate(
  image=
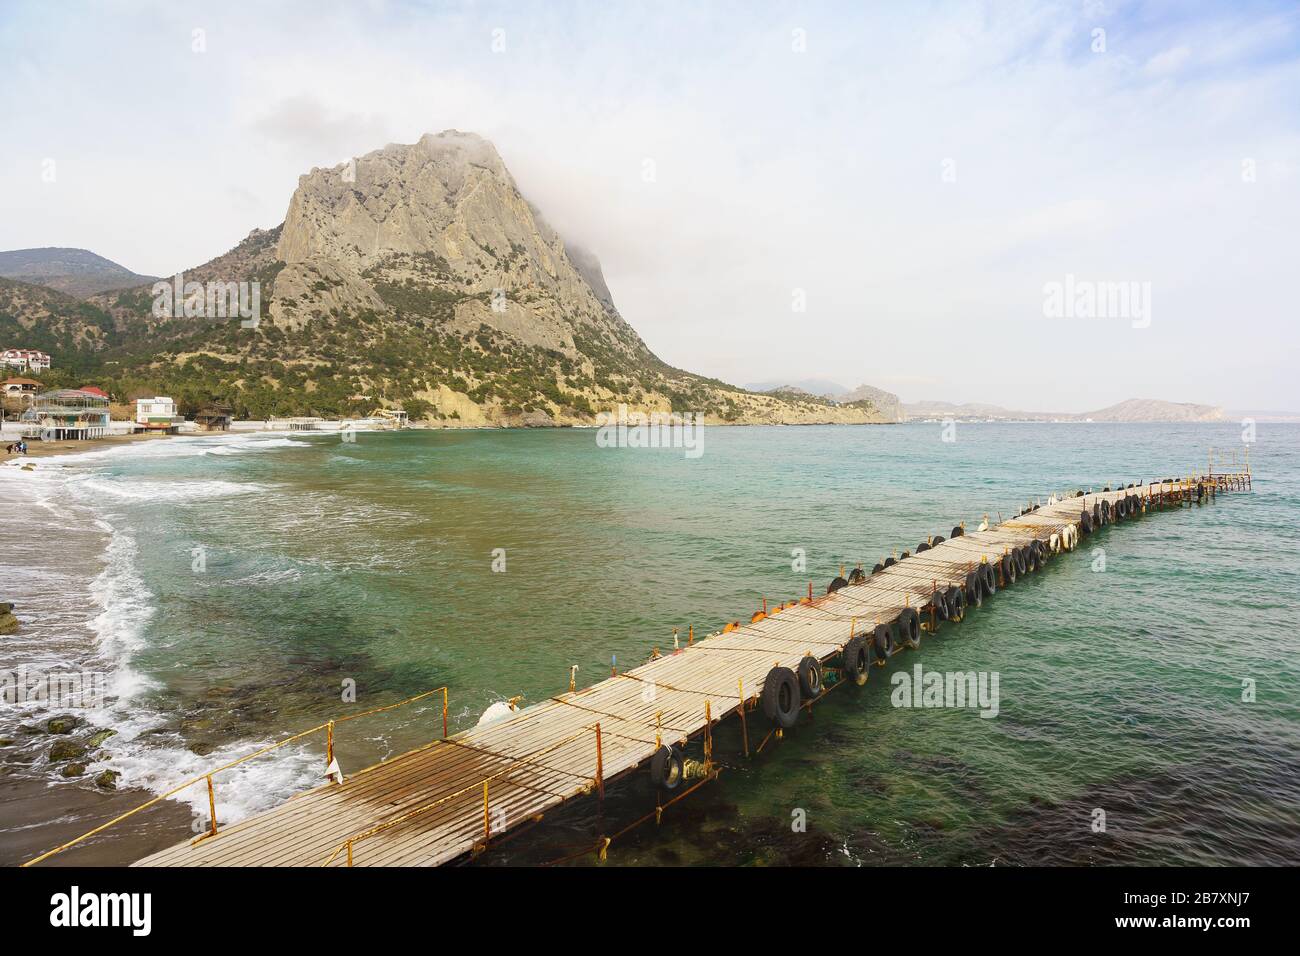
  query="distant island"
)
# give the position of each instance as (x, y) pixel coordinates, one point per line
(1131, 410)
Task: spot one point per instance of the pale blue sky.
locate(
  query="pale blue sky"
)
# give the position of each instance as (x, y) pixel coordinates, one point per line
(775, 170)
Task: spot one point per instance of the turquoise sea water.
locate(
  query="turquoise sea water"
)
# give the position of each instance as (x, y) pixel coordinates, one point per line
(244, 579)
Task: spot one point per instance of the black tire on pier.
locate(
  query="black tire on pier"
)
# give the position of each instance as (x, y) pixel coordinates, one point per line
(780, 698)
(909, 628)
(856, 576)
(1008, 569)
(956, 602)
(1022, 564)
(666, 768)
(890, 562)
(905, 554)
(1097, 521)
(957, 532)
(836, 585)
(990, 579)
(939, 540)
(1085, 522)
(810, 677)
(940, 606)
(922, 548)
(856, 660)
(974, 590)
(878, 568)
(882, 642)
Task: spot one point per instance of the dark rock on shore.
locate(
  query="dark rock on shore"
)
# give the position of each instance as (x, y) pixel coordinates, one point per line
(107, 779)
(67, 750)
(64, 723)
(99, 736)
(74, 770)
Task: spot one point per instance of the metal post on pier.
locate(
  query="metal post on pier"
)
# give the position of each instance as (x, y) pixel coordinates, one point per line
(212, 807)
(600, 767)
(744, 730)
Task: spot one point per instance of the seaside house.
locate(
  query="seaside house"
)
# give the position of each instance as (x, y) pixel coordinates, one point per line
(393, 417)
(23, 389)
(27, 360)
(214, 417)
(66, 414)
(156, 414)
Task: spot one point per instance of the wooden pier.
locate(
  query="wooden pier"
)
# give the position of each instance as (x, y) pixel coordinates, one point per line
(458, 795)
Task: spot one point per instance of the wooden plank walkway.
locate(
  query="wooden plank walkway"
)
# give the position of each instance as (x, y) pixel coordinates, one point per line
(426, 807)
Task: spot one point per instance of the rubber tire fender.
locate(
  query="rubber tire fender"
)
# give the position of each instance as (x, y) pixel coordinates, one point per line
(666, 770)
(938, 541)
(990, 579)
(939, 604)
(1009, 569)
(810, 677)
(957, 532)
(909, 627)
(856, 576)
(882, 640)
(835, 585)
(1085, 522)
(955, 599)
(780, 698)
(922, 548)
(974, 589)
(878, 568)
(1022, 566)
(855, 661)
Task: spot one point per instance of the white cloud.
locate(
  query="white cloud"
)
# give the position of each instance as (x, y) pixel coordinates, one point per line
(1168, 61)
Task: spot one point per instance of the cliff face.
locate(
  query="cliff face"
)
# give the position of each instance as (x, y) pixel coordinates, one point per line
(442, 216)
(887, 403)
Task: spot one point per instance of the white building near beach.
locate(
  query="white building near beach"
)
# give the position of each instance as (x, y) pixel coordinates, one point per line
(28, 360)
(156, 414)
